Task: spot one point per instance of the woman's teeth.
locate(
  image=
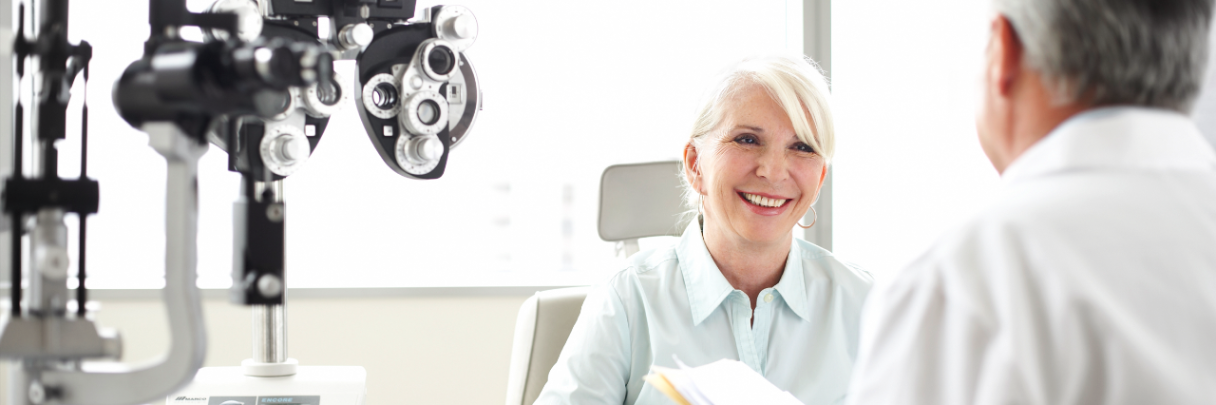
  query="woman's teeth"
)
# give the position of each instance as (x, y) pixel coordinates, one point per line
(764, 201)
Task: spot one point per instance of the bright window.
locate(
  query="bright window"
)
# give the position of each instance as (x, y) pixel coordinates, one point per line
(570, 88)
(1206, 103)
(909, 165)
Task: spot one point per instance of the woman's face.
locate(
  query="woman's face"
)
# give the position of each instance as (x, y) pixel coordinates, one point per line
(756, 176)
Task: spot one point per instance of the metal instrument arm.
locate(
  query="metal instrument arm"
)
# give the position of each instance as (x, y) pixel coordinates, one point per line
(188, 346)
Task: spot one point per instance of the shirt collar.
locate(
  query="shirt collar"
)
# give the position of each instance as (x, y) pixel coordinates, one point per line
(792, 285)
(1117, 138)
(707, 287)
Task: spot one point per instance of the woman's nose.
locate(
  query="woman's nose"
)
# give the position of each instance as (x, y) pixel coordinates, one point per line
(772, 165)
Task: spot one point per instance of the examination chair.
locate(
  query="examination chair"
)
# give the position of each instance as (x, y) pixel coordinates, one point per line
(636, 201)
(541, 330)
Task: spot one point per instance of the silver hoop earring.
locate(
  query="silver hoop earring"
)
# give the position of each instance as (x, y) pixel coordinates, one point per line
(701, 212)
(812, 221)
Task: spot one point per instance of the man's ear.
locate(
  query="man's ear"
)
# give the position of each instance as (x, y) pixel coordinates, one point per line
(1007, 52)
(692, 166)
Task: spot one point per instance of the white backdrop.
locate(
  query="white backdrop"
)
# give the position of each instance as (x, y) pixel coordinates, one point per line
(570, 88)
(1205, 108)
(909, 165)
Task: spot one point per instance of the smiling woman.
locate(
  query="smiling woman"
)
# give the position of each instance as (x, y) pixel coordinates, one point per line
(756, 160)
(737, 285)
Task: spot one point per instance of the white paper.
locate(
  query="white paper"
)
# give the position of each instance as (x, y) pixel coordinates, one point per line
(725, 382)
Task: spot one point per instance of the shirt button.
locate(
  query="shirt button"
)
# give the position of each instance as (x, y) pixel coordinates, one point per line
(768, 297)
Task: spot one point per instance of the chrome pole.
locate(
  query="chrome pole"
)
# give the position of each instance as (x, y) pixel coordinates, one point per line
(270, 333)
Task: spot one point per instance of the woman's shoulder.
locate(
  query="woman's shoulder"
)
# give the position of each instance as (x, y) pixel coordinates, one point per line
(644, 268)
(649, 260)
(820, 264)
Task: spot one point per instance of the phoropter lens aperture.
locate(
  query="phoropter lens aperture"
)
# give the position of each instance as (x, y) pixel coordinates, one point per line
(329, 92)
(269, 103)
(428, 112)
(385, 96)
(441, 60)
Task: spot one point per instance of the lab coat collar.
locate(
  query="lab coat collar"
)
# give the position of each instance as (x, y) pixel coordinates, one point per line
(1117, 138)
(707, 287)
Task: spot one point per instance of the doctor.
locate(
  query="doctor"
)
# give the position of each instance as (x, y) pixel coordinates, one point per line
(1093, 279)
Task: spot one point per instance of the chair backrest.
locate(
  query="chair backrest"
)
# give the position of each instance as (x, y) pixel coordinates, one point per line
(541, 329)
(636, 201)
(641, 200)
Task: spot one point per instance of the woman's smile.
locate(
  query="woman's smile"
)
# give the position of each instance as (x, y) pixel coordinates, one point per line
(765, 204)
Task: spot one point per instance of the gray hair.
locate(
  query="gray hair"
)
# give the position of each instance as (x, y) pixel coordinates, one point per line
(1102, 52)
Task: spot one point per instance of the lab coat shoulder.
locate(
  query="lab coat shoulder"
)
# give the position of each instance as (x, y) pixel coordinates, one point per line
(1007, 249)
(941, 313)
(975, 266)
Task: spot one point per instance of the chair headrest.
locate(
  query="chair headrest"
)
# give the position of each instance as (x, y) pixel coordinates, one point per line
(642, 200)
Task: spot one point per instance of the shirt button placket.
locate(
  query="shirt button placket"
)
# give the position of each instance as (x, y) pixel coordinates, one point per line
(761, 332)
(744, 338)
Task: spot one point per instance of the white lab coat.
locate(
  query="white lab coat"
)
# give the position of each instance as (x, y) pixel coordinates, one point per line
(1092, 281)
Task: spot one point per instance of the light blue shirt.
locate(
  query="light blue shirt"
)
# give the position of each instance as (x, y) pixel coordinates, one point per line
(675, 301)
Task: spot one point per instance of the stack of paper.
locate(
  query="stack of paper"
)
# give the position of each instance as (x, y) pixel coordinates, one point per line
(723, 382)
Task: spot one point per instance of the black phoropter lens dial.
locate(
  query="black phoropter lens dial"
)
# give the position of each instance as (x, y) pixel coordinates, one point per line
(441, 60)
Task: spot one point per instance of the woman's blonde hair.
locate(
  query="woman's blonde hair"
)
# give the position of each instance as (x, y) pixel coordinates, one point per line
(794, 82)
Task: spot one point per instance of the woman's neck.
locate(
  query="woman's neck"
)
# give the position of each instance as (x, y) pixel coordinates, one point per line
(748, 266)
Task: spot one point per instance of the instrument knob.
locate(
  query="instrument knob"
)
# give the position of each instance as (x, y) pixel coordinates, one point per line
(424, 149)
(355, 36)
(463, 26)
(292, 148)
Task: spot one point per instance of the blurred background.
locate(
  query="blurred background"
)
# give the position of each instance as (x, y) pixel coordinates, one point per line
(420, 281)
(570, 88)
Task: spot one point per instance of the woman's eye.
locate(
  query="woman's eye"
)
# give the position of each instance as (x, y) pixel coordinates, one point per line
(746, 140)
(802, 147)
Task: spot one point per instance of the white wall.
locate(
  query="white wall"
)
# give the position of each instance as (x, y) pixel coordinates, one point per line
(908, 165)
(1205, 106)
(417, 350)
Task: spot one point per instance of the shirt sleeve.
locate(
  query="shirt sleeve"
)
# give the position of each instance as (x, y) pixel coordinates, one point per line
(593, 367)
(929, 337)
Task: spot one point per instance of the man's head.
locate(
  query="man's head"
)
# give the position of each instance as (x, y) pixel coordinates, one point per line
(1051, 59)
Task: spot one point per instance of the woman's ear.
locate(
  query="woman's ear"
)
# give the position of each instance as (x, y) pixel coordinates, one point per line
(692, 167)
(823, 176)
